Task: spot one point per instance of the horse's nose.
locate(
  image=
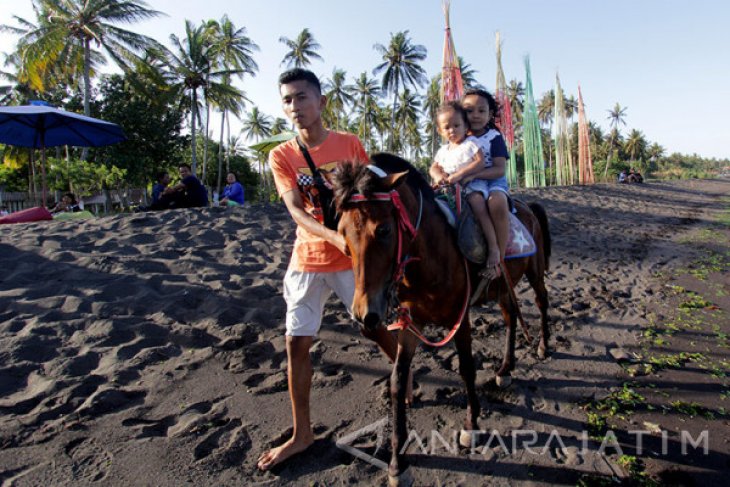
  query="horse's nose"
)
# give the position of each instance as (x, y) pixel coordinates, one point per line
(371, 320)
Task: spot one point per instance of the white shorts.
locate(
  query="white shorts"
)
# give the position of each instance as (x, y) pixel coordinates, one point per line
(306, 293)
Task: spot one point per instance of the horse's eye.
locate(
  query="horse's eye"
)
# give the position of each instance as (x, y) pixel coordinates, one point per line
(383, 231)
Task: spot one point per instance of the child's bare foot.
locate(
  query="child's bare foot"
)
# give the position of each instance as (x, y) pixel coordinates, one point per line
(275, 456)
(491, 270)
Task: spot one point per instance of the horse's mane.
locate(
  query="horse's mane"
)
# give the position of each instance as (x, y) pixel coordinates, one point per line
(351, 178)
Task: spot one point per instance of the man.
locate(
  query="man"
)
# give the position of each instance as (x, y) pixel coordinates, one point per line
(163, 179)
(188, 193)
(319, 263)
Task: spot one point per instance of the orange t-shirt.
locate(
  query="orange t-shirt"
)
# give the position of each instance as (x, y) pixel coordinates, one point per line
(291, 172)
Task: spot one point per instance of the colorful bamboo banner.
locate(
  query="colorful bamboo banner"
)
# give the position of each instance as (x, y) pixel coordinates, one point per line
(585, 163)
(564, 172)
(452, 86)
(531, 137)
(504, 121)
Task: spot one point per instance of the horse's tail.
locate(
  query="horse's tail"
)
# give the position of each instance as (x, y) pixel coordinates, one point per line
(542, 218)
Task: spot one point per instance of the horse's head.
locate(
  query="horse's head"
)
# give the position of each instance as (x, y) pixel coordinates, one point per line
(369, 222)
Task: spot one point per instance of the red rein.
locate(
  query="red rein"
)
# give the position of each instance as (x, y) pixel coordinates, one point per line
(405, 226)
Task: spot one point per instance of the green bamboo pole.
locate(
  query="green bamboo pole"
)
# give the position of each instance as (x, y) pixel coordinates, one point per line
(531, 138)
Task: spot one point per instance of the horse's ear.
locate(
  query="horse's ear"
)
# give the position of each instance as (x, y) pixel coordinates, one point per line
(392, 181)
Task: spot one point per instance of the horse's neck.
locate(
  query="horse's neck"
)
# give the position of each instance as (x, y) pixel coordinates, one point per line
(435, 246)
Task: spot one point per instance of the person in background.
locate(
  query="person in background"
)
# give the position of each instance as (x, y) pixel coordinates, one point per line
(233, 192)
(68, 203)
(622, 177)
(163, 179)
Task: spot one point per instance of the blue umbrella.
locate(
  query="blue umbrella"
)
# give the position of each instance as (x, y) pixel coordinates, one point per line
(39, 126)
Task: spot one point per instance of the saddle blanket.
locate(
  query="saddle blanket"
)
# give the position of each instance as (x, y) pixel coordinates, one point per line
(471, 238)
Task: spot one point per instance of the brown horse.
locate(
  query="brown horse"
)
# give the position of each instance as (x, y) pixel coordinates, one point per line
(405, 257)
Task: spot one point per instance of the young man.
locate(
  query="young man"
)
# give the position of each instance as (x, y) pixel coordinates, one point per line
(319, 263)
(163, 179)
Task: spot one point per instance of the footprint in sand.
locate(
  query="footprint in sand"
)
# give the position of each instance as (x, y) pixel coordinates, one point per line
(90, 462)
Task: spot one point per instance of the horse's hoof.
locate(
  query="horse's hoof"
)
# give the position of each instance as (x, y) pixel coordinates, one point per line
(542, 353)
(503, 381)
(466, 438)
(405, 479)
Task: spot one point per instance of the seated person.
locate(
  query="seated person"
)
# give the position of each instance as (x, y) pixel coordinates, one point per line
(163, 179)
(4, 211)
(233, 192)
(634, 176)
(68, 203)
(622, 177)
(188, 193)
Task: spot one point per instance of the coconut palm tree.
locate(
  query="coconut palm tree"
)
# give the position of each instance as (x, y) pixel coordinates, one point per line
(301, 50)
(365, 104)
(233, 50)
(400, 67)
(468, 74)
(256, 126)
(193, 68)
(36, 63)
(516, 95)
(408, 128)
(616, 116)
(339, 96)
(546, 109)
(636, 145)
(79, 23)
(431, 104)
(278, 126)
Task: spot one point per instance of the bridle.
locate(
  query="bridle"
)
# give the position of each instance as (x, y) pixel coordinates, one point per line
(406, 228)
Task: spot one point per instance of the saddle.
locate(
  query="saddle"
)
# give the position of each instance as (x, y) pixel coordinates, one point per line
(470, 236)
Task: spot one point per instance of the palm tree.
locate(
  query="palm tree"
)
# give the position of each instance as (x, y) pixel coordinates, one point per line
(468, 74)
(516, 95)
(301, 50)
(617, 117)
(192, 68)
(339, 97)
(37, 63)
(81, 22)
(400, 66)
(278, 126)
(636, 144)
(365, 104)
(430, 106)
(256, 126)
(408, 120)
(233, 50)
(546, 109)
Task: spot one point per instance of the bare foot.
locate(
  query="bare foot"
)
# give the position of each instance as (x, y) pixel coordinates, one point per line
(491, 270)
(275, 456)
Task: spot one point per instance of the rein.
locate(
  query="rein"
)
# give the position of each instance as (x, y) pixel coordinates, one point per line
(403, 313)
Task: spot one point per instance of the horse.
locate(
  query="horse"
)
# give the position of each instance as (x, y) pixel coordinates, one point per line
(405, 256)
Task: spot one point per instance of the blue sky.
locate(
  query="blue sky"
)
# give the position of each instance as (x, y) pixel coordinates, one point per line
(666, 61)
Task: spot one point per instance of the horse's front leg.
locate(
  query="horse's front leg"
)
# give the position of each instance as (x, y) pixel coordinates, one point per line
(509, 314)
(397, 470)
(468, 374)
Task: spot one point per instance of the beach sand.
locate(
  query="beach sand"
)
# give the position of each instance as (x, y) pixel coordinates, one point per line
(148, 349)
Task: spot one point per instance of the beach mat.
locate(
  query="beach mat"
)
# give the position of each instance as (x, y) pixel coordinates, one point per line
(76, 215)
